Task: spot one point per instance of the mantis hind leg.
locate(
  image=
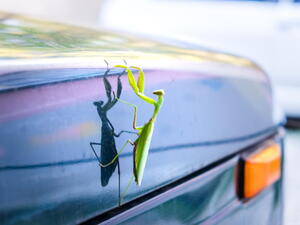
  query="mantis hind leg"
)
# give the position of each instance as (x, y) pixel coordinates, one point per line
(124, 131)
(92, 146)
(126, 189)
(121, 132)
(117, 155)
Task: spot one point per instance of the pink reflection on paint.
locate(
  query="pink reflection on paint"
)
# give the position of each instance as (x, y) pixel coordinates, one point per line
(22, 103)
(64, 134)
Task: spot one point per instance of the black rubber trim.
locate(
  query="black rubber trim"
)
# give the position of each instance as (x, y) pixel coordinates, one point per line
(293, 122)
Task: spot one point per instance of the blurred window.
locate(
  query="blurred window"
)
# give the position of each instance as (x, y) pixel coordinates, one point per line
(254, 0)
(257, 0)
(235, 0)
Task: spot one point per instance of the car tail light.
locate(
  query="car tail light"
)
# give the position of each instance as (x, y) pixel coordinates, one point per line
(259, 169)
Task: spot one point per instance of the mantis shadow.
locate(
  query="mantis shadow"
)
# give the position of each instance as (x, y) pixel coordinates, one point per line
(107, 143)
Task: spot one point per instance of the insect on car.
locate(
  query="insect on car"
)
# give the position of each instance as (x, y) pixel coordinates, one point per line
(214, 157)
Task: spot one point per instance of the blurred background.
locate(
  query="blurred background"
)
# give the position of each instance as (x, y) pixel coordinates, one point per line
(77, 12)
(266, 31)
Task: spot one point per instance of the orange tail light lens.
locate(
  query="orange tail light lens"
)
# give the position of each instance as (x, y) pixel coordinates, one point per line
(261, 169)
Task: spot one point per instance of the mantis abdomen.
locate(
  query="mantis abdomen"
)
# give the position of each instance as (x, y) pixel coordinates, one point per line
(141, 150)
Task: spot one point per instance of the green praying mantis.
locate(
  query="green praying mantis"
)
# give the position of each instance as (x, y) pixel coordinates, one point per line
(143, 142)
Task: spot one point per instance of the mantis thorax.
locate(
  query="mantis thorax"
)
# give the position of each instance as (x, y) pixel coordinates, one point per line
(157, 105)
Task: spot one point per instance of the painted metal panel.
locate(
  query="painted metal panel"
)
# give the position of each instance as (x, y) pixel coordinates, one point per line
(48, 167)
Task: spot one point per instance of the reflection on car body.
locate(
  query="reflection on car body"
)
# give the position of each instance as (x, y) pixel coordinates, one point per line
(218, 108)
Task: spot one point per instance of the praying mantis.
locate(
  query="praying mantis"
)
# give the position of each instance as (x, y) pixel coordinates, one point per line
(143, 142)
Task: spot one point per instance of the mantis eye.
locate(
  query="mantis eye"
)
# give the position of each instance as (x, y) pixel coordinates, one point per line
(159, 92)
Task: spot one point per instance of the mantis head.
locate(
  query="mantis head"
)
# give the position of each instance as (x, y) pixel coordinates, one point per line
(159, 92)
(100, 103)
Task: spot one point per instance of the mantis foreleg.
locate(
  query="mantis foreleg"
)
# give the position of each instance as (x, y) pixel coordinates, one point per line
(117, 155)
(138, 87)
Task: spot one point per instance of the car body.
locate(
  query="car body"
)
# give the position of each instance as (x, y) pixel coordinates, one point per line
(266, 31)
(54, 80)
